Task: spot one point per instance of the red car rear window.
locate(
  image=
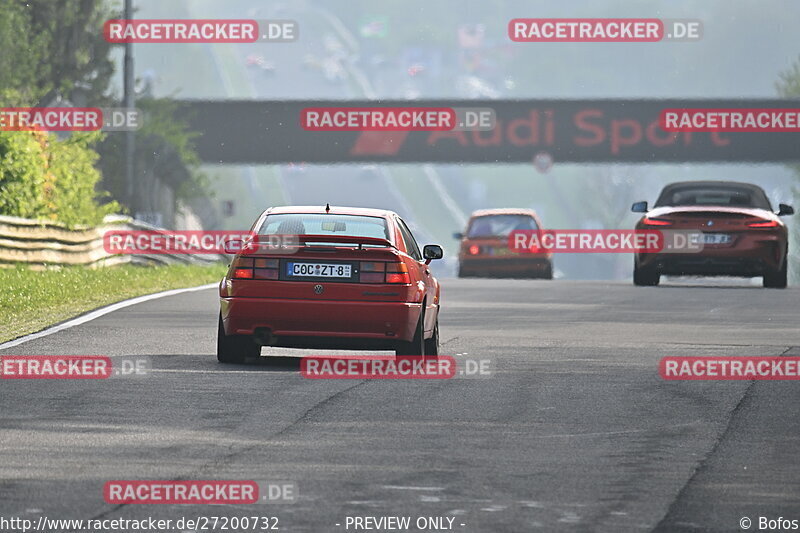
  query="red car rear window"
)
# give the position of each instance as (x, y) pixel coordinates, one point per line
(328, 224)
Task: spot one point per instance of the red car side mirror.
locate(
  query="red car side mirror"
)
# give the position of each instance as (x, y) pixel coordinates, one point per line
(233, 246)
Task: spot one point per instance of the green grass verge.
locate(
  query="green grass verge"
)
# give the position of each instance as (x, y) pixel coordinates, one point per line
(32, 300)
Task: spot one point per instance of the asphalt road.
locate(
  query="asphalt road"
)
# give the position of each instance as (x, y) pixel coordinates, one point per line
(573, 431)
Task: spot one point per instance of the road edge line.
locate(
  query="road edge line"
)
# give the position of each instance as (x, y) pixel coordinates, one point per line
(97, 313)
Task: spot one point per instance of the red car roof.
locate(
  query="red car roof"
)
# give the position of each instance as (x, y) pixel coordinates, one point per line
(334, 210)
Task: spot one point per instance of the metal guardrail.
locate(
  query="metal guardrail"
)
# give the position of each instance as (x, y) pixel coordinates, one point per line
(41, 243)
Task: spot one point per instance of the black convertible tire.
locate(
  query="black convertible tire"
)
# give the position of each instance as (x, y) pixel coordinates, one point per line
(645, 277)
(548, 271)
(777, 279)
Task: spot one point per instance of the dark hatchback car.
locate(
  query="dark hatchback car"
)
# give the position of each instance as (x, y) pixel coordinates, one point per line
(741, 235)
(484, 250)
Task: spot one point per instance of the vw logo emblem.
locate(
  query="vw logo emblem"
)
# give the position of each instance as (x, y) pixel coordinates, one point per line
(318, 289)
(710, 223)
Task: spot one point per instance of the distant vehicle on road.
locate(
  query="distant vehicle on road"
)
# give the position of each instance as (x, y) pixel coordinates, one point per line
(741, 234)
(254, 60)
(484, 250)
(355, 279)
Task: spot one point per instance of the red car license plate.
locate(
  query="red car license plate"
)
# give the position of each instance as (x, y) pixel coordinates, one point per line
(318, 270)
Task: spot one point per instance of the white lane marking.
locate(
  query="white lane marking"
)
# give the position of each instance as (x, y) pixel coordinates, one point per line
(400, 487)
(450, 204)
(534, 504)
(570, 518)
(494, 508)
(255, 370)
(97, 313)
(620, 432)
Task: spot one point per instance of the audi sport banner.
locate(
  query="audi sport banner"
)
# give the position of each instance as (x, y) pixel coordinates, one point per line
(496, 131)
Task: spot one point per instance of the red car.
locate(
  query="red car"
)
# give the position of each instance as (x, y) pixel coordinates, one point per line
(484, 248)
(741, 234)
(355, 280)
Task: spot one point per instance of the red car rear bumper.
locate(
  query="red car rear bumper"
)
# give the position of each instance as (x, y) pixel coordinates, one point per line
(504, 266)
(392, 321)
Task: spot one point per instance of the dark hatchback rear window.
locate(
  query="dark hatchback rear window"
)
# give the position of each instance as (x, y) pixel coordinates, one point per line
(499, 225)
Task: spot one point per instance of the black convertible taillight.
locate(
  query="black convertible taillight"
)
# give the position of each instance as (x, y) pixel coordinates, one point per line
(655, 221)
(763, 224)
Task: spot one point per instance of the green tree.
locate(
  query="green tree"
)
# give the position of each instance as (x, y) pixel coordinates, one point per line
(164, 149)
(57, 47)
(23, 54)
(54, 46)
(43, 177)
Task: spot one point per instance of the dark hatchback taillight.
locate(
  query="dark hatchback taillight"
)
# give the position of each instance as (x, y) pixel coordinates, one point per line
(255, 268)
(382, 272)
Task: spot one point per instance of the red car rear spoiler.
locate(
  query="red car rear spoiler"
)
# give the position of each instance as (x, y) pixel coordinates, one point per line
(344, 239)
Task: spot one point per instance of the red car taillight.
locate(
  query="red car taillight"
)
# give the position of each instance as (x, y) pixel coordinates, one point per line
(243, 273)
(379, 272)
(255, 268)
(656, 221)
(397, 273)
(763, 224)
(474, 249)
(373, 272)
